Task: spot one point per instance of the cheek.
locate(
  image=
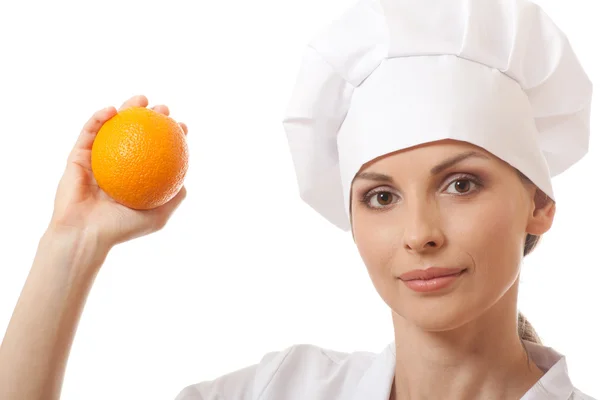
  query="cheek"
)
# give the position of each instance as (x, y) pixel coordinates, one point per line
(376, 243)
(485, 234)
(491, 235)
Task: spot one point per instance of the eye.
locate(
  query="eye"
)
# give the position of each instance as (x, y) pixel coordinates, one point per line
(382, 197)
(463, 185)
(378, 198)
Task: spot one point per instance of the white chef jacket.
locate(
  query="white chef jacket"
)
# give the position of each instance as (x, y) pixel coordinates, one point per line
(307, 372)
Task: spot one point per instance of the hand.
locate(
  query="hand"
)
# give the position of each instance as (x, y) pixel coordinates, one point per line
(81, 205)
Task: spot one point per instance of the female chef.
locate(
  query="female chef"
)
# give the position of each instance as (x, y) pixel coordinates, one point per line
(431, 130)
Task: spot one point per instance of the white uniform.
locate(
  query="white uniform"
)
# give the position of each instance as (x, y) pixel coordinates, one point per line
(307, 372)
(391, 74)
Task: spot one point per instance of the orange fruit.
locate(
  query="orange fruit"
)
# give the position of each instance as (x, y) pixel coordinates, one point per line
(140, 158)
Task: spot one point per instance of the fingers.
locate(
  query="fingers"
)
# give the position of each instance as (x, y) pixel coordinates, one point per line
(184, 127)
(93, 125)
(161, 108)
(135, 101)
(91, 128)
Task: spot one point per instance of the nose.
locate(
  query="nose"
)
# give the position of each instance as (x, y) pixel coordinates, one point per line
(422, 231)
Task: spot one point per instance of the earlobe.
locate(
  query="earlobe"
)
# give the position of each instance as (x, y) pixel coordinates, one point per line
(543, 214)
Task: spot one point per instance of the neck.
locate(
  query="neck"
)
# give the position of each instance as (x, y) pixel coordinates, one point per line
(483, 359)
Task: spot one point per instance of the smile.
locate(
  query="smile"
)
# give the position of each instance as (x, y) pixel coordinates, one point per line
(432, 279)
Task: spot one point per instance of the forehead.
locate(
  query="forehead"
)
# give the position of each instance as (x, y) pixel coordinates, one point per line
(426, 154)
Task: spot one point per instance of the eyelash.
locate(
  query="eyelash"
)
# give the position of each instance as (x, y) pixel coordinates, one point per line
(366, 198)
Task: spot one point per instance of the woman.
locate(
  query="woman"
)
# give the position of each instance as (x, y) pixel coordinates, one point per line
(413, 124)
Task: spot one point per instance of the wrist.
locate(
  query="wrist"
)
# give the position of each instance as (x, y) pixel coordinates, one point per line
(79, 248)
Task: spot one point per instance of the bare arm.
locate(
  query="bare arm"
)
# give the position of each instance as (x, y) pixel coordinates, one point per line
(85, 225)
(35, 349)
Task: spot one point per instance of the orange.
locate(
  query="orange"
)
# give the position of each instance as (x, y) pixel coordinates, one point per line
(140, 158)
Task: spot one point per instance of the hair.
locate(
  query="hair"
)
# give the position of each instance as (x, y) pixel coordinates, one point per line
(525, 329)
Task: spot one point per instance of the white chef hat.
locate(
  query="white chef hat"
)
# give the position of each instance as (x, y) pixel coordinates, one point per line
(392, 74)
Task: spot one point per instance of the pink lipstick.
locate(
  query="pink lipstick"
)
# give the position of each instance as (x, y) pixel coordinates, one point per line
(431, 279)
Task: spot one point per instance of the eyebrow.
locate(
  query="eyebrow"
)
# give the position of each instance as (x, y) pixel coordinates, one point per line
(375, 176)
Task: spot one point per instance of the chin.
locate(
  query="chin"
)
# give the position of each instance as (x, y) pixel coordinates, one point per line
(435, 314)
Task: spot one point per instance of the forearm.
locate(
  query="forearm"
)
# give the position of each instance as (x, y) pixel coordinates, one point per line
(36, 346)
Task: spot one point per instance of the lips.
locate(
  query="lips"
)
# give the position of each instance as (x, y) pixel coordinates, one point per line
(429, 273)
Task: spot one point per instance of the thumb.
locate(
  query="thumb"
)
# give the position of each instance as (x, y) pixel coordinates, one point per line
(91, 128)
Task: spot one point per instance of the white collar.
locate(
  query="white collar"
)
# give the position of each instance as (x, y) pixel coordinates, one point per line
(555, 384)
(377, 381)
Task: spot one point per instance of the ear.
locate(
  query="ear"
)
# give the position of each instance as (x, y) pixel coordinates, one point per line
(544, 208)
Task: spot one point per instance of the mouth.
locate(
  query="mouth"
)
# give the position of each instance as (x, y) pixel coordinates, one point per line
(431, 279)
(430, 273)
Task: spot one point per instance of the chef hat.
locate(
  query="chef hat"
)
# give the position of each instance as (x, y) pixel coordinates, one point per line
(392, 74)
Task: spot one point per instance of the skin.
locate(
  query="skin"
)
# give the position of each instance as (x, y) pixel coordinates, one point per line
(460, 342)
(85, 225)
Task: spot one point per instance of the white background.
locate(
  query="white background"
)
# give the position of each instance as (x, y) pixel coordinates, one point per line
(244, 267)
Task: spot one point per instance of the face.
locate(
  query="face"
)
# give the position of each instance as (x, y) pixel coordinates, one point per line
(416, 209)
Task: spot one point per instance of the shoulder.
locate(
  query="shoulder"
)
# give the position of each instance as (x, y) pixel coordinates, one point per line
(301, 368)
(306, 365)
(579, 395)
(318, 358)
